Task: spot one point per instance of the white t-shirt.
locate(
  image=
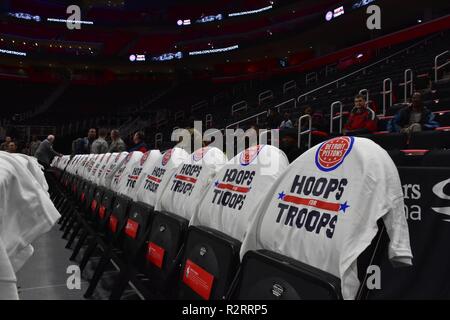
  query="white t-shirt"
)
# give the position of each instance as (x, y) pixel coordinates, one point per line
(34, 167)
(120, 177)
(232, 199)
(112, 168)
(128, 185)
(187, 186)
(98, 161)
(87, 166)
(154, 177)
(110, 159)
(323, 210)
(101, 168)
(26, 212)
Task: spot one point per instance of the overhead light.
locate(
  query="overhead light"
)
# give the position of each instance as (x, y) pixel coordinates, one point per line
(419, 20)
(359, 55)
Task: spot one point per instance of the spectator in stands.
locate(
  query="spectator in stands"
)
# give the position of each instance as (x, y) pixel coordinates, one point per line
(100, 145)
(273, 119)
(289, 143)
(139, 143)
(45, 152)
(34, 144)
(83, 145)
(362, 119)
(287, 122)
(412, 118)
(117, 144)
(4, 145)
(317, 119)
(12, 147)
(26, 150)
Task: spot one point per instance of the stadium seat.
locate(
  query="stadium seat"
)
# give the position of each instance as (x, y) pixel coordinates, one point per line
(216, 255)
(99, 226)
(135, 236)
(284, 224)
(390, 141)
(265, 275)
(434, 139)
(117, 220)
(211, 256)
(437, 158)
(164, 247)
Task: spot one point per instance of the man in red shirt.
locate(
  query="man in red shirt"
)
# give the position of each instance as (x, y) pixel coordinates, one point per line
(362, 119)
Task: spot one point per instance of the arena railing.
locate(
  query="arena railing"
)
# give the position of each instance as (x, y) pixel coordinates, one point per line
(265, 96)
(333, 83)
(387, 83)
(259, 114)
(335, 117)
(408, 82)
(438, 67)
(308, 131)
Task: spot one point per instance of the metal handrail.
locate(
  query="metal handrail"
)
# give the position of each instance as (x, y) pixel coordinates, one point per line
(406, 82)
(308, 131)
(264, 96)
(333, 117)
(199, 105)
(288, 86)
(436, 67)
(278, 107)
(246, 119)
(179, 115)
(238, 106)
(385, 92)
(208, 120)
(310, 77)
(365, 92)
(363, 68)
(158, 139)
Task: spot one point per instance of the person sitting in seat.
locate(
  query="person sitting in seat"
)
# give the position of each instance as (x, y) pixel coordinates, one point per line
(139, 143)
(289, 144)
(287, 122)
(362, 119)
(413, 118)
(12, 147)
(317, 119)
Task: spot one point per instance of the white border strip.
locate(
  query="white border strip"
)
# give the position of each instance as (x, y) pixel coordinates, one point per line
(69, 21)
(194, 53)
(15, 53)
(250, 11)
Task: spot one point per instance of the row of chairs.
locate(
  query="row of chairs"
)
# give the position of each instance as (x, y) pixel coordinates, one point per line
(429, 140)
(154, 251)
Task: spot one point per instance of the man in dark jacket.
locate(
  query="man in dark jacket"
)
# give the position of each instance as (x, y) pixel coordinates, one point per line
(412, 118)
(45, 152)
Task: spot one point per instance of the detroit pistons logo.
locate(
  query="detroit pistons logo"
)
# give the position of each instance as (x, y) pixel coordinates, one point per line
(199, 154)
(166, 157)
(248, 155)
(331, 153)
(144, 157)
